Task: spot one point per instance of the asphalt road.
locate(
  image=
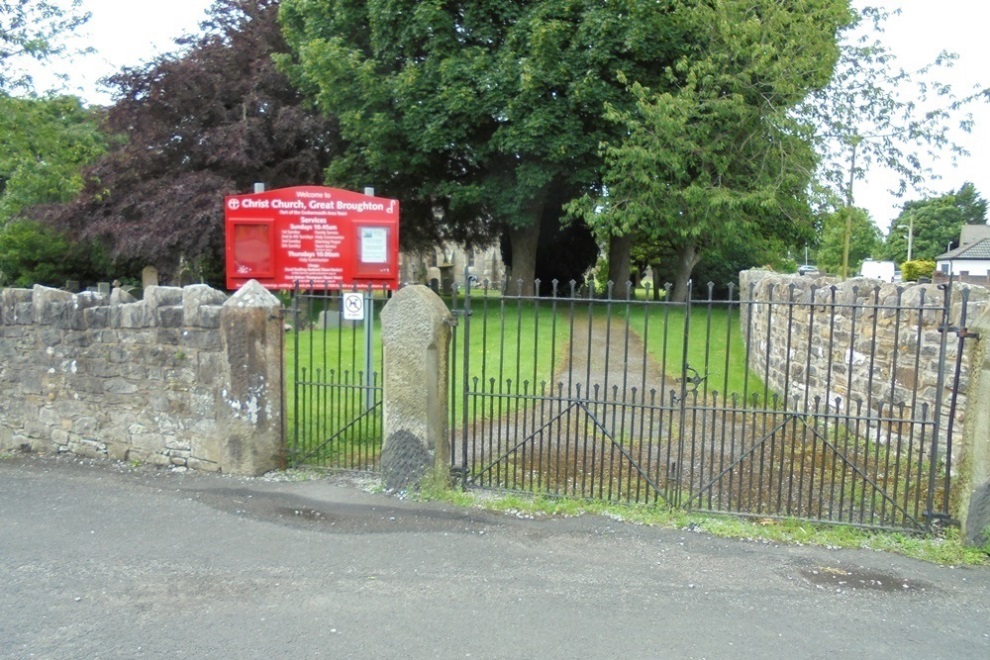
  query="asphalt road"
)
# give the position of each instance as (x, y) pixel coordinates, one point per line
(100, 560)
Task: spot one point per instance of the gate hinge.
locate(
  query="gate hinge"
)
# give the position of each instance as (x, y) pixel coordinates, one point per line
(450, 321)
(962, 333)
(939, 519)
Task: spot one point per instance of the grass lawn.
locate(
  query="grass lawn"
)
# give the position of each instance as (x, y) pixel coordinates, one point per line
(516, 345)
(327, 390)
(715, 348)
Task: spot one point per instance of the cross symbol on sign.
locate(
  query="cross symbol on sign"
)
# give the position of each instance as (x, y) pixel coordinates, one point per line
(353, 306)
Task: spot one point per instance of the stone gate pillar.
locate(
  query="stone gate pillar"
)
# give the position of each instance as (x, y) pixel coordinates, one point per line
(250, 406)
(973, 501)
(415, 339)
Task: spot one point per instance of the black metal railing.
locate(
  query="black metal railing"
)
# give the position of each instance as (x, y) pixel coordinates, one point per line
(334, 361)
(830, 403)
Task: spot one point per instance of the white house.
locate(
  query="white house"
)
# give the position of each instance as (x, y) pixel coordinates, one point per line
(971, 258)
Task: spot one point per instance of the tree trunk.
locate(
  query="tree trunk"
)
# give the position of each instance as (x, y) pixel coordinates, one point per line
(657, 284)
(522, 274)
(687, 258)
(619, 251)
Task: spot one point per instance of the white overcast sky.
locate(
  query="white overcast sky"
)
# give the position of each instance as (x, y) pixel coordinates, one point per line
(128, 32)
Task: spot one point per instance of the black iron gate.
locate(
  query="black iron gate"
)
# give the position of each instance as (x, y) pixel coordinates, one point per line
(334, 402)
(811, 401)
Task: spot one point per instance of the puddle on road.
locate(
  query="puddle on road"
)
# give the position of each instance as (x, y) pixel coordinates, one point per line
(860, 579)
(303, 513)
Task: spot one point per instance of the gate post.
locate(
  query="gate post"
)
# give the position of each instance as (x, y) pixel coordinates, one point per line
(415, 338)
(251, 402)
(973, 508)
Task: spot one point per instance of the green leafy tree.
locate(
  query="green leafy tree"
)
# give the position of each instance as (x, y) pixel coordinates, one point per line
(31, 253)
(933, 224)
(864, 240)
(478, 114)
(46, 143)
(971, 204)
(716, 157)
(33, 30)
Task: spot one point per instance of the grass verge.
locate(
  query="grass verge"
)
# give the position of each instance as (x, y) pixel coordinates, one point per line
(945, 549)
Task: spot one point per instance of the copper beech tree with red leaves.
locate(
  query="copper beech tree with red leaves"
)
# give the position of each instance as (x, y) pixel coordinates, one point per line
(207, 121)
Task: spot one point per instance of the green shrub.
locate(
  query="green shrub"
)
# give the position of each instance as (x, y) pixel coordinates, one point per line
(911, 271)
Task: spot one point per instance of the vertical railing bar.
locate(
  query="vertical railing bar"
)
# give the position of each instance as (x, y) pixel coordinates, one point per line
(706, 368)
(727, 412)
(752, 310)
(865, 468)
(939, 397)
(919, 342)
(686, 333)
(646, 436)
(728, 420)
(614, 473)
(565, 429)
(296, 394)
(587, 368)
(605, 377)
(504, 387)
(876, 474)
(785, 396)
(595, 464)
(499, 426)
(957, 376)
(584, 447)
(625, 386)
(830, 352)
(704, 392)
(552, 378)
(871, 374)
(900, 445)
(921, 460)
(849, 407)
(766, 398)
(466, 339)
(538, 425)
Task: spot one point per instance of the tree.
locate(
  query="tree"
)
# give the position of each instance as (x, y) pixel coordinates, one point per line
(864, 240)
(933, 224)
(33, 29)
(476, 113)
(207, 122)
(972, 206)
(717, 157)
(31, 253)
(874, 113)
(47, 141)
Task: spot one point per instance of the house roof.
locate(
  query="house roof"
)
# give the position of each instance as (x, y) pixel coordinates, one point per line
(978, 250)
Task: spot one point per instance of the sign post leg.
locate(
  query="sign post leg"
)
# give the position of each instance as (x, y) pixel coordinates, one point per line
(369, 351)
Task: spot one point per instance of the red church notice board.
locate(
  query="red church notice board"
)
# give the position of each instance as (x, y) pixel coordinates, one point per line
(314, 236)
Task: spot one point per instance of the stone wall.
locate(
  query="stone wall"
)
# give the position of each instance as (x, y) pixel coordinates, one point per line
(185, 377)
(858, 342)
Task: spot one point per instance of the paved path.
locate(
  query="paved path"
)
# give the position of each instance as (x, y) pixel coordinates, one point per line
(99, 560)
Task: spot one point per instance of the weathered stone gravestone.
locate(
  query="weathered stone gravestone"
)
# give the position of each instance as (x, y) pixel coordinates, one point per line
(149, 277)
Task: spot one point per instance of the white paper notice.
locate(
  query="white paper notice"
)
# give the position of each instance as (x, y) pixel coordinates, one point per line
(374, 245)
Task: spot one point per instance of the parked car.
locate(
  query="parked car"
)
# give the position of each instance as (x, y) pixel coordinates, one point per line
(808, 269)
